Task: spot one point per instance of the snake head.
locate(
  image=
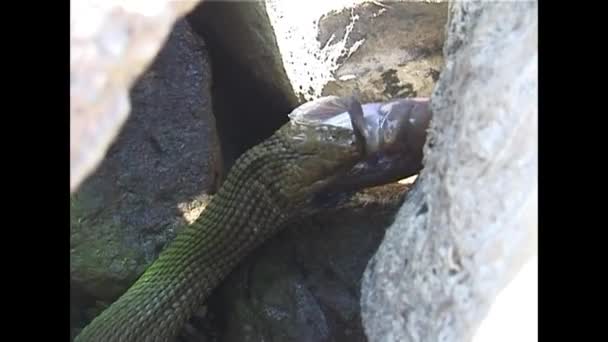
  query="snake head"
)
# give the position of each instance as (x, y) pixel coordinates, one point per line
(344, 145)
(321, 151)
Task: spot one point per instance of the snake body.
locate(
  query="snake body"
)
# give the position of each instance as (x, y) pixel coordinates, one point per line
(268, 185)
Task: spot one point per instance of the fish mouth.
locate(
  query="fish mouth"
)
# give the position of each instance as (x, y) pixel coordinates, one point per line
(395, 133)
(391, 136)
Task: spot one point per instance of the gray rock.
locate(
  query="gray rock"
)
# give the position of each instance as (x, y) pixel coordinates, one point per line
(380, 49)
(469, 224)
(111, 44)
(156, 176)
(398, 49)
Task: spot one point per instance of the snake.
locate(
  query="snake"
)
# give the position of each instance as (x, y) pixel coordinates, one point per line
(331, 144)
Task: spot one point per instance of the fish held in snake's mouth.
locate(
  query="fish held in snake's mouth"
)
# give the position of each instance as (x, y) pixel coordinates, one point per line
(391, 136)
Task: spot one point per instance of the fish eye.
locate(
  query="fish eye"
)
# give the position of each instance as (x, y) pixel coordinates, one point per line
(384, 109)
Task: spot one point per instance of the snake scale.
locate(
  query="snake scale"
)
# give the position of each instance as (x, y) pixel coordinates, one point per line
(269, 185)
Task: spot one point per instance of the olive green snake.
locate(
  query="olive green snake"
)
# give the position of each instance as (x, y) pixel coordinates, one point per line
(329, 144)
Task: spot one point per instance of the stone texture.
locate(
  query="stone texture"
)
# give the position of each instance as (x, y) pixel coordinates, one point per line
(398, 49)
(156, 176)
(161, 168)
(379, 49)
(469, 223)
(111, 44)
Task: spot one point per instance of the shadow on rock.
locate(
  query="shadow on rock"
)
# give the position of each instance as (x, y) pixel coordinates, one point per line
(156, 174)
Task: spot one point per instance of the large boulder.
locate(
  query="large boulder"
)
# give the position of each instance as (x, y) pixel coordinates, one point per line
(469, 223)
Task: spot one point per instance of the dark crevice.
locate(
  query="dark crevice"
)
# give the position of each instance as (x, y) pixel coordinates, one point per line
(248, 108)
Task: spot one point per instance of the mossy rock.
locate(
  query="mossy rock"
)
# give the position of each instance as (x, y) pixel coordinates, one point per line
(100, 260)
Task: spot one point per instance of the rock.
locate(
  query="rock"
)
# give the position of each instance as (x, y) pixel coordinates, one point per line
(111, 44)
(399, 53)
(251, 91)
(157, 175)
(304, 285)
(469, 223)
(381, 51)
